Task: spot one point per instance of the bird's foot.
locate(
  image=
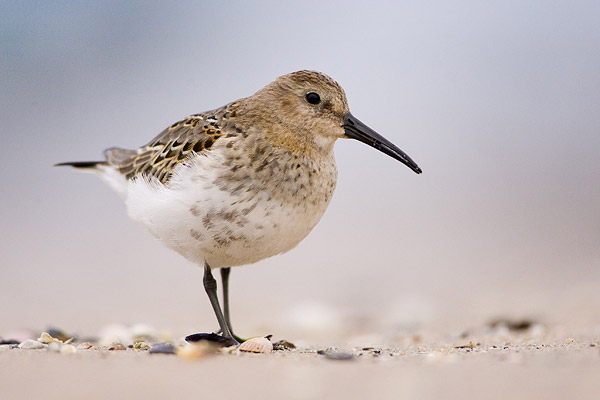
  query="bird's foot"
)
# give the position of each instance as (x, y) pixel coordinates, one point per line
(236, 337)
(214, 338)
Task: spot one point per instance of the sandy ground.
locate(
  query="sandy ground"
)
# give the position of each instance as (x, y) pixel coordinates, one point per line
(534, 362)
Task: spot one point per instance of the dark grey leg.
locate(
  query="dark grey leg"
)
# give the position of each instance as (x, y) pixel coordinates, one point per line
(225, 281)
(210, 285)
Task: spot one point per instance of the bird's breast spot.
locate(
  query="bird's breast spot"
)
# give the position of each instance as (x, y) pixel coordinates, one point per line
(249, 209)
(226, 238)
(207, 221)
(196, 235)
(195, 210)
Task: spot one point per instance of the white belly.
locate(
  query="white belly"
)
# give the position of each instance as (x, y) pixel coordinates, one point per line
(203, 222)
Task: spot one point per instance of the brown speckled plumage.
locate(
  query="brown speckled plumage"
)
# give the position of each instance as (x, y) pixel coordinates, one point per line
(174, 145)
(245, 181)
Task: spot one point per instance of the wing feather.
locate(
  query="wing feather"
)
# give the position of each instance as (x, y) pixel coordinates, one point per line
(194, 134)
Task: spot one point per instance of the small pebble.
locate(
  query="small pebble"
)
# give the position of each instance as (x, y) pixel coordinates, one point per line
(470, 345)
(339, 355)
(327, 350)
(283, 345)
(332, 353)
(141, 345)
(162, 348)
(84, 346)
(8, 341)
(30, 344)
(117, 346)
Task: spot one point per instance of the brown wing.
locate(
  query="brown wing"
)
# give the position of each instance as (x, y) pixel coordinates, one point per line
(194, 134)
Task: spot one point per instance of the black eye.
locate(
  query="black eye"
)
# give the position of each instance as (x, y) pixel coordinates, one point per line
(313, 98)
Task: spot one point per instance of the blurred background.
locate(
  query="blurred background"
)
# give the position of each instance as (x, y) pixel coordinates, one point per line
(498, 102)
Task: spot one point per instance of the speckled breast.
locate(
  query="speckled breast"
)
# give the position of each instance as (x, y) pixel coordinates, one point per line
(234, 210)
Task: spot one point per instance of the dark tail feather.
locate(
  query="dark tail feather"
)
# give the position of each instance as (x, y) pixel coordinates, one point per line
(81, 164)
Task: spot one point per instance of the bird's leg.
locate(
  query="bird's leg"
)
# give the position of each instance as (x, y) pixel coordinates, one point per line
(210, 285)
(225, 281)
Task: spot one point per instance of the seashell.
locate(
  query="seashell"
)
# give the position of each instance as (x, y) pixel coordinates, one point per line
(141, 345)
(256, 345)
(198, 350)
(58, 334)
(68, 349)
(32, 345)
(84, 346)
(54, 347)
(284, 345)
(47, 339)
(117, 346)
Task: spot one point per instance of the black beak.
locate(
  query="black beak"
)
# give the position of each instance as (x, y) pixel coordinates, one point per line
(355, 129)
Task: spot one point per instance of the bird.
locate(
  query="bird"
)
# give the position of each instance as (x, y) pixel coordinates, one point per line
(243, 182)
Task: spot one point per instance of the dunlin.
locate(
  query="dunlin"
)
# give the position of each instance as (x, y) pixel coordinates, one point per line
(243, 182)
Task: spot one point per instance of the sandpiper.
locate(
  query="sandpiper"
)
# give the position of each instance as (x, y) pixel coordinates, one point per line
(243, 182)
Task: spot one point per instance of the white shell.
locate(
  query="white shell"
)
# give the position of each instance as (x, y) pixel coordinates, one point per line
(196, 351)
(32, 345)
(67, 349)
(256, 345)
(46, 338)
(54, 347)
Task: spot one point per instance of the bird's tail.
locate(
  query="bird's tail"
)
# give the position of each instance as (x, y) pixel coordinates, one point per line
(82, 164)
(108, 173)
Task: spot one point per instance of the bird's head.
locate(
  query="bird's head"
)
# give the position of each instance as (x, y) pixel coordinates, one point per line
(312, 110)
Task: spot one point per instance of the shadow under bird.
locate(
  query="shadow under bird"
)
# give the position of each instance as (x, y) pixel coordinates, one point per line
(243, 182)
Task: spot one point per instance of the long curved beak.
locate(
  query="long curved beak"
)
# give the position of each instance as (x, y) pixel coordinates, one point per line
(355, 129)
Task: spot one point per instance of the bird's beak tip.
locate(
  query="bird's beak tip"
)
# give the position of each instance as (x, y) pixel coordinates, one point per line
(355, 129)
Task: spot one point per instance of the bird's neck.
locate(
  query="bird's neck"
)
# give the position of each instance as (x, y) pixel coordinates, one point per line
(300, 142)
